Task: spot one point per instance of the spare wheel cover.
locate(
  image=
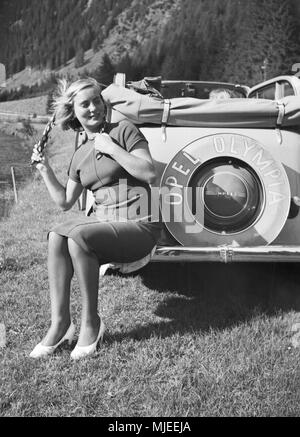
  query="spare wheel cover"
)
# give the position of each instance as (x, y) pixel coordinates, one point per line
(214, 162)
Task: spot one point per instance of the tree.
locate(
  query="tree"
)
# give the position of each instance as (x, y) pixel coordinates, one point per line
(125, 66)
(105, 71)
(269, 34)
(79, 58)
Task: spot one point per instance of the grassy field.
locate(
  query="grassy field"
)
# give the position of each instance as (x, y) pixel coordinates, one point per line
(183, 340)
(35, 105)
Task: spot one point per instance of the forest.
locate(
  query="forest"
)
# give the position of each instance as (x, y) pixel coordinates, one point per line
(178, 39)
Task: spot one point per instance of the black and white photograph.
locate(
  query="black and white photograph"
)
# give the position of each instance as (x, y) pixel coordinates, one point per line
(149, 211)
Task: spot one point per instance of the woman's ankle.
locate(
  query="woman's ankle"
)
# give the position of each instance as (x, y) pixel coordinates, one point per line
(56, 331)
(89, 330)
(60, 322)
(90, 321)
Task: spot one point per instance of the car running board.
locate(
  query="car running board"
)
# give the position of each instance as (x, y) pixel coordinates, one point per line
(227, 254)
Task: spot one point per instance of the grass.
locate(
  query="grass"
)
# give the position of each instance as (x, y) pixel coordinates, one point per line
(34, 105)
(183, 340)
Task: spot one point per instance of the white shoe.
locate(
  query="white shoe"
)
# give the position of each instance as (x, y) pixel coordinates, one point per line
(41, 350)
(84, 351)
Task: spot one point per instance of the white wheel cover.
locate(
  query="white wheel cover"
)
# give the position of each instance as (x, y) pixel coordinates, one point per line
(177, 175)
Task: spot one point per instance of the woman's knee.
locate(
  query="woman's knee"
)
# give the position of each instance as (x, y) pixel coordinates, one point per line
(56, 242)
(77, 253)
(74, 249)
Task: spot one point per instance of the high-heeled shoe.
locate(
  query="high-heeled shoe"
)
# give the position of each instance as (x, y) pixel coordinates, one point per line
(41, 350)
(84, 351)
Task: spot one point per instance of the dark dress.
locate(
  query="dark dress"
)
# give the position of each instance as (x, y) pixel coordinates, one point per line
(120, 227)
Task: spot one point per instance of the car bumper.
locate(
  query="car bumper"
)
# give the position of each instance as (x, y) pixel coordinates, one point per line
(227, 254)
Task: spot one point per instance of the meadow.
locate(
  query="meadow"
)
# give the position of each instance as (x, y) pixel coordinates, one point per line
(28, 106)
(183, 340)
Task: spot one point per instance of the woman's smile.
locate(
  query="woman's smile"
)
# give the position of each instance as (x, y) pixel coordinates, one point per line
(94, 116)
(89, 109)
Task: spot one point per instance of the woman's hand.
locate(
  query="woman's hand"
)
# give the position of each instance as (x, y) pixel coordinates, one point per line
(64, 197)
(104, 144)
(40, 160)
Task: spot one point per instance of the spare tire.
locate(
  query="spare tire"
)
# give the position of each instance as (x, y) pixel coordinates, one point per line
(224, 189)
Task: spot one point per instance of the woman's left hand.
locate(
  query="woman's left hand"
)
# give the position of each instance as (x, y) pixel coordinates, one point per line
(104, 144)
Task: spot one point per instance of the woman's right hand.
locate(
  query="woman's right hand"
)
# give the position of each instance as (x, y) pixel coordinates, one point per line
(39, 160)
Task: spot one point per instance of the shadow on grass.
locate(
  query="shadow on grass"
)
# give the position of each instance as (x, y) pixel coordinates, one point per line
(200, 297)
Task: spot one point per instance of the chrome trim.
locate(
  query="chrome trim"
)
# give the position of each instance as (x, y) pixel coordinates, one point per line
(227, 254)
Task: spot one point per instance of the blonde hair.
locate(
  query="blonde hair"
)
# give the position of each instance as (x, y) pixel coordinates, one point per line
(63, 101)
(220, 93)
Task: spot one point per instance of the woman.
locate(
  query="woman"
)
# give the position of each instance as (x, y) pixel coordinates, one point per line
(115, 164)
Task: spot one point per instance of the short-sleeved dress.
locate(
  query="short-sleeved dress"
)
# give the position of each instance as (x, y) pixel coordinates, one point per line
(121, 227)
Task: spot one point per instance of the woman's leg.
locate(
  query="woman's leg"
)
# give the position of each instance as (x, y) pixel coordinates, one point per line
(112, 242)
(86, 266)
(60, 271)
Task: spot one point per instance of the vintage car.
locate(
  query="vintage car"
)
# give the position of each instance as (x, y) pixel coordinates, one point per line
(229, 169)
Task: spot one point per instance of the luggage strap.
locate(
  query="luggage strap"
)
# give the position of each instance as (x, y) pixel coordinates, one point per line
(165, 118)
(281, 112)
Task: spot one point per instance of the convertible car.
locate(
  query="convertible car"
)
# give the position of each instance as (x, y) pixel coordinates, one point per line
(228, 168)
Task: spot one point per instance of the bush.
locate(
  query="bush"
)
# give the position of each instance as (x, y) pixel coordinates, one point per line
(28, 130)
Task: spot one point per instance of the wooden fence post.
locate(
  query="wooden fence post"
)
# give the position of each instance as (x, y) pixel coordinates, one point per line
(14, 183)
(2, 335)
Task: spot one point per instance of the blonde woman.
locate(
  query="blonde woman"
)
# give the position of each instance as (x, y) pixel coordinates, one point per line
(115, 164)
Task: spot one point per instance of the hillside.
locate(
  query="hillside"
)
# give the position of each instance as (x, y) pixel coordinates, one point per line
(114, 27)
(178, 39)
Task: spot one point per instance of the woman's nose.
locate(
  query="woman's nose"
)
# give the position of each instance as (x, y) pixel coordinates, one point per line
(92, 106)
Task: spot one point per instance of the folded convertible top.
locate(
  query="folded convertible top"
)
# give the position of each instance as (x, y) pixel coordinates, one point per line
(187, 111)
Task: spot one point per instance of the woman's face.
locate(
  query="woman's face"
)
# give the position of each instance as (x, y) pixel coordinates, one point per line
(89, 109)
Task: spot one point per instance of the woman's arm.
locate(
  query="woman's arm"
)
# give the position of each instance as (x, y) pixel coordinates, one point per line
(137, 162)
(64, 197)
